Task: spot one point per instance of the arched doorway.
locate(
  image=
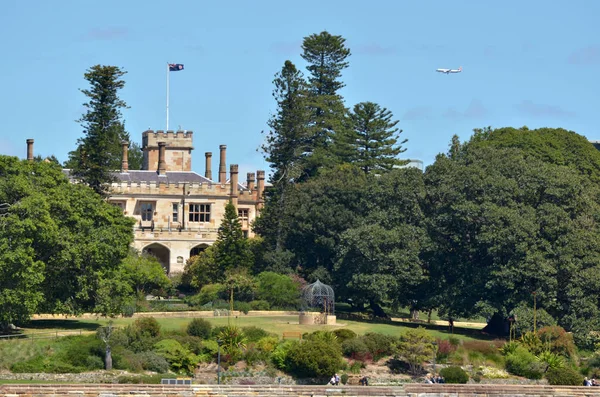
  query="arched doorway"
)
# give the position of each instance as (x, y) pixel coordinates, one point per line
(162, 253)
(198, 249)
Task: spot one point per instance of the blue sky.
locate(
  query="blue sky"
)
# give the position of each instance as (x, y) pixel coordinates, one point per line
(531, 63)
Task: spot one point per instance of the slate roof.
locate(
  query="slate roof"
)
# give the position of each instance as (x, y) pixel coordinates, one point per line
(135, 176)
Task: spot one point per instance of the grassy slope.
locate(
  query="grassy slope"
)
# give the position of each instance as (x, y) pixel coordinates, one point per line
(275, 324)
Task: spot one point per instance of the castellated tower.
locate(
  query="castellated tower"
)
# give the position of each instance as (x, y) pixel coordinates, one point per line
(177, 150)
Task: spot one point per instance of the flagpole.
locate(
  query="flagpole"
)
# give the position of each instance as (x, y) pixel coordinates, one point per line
(167, 97)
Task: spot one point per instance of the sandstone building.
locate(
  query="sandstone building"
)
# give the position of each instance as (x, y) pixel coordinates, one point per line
(178, 211)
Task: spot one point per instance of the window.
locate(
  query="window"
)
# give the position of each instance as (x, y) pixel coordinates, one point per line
(199, 213)
(175, 212)
(243, 215)
(147, 211)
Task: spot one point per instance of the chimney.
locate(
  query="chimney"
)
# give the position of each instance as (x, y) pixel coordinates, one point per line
(250, 181)
(208, 172)
(233, 172)
(162, 165)
(124, 162)
(30, 150)
(260, 189)
(222, 166)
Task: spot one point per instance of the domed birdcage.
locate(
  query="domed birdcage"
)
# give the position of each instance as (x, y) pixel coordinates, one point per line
(319, 296)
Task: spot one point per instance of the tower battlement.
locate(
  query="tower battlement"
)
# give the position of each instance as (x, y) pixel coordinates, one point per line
(178, 146)
(174, 139)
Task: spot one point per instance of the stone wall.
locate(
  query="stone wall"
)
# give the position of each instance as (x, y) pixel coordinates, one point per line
(420, 390)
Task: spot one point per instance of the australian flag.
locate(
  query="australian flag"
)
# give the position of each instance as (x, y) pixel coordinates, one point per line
(175, 67)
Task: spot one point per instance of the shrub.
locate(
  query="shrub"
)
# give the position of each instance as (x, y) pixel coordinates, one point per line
(254, 334)
(180, 359)
(524, 322)
(252, 356)
(192, 343)
(279, 289)
(454, 341)
(148, 326)
(493, 373)
(523, 363)
(208, 293)
(444, 349)
(557, 340)
(484, 347)
(44, 364)
(142, 334)
(344, 334)
(532, 342)
(380, 345)
(152, 361)
(325, 336)
(267, 344)
(416, 346)
(280, 354)
(78, 350)
(356, 366)
(564, 376)
(313, 358)
(260, 305)
(454, 375)
(144, 379)
(509, 348)
(243, 307)
(356, 349)
(199, 327)
(344, 378)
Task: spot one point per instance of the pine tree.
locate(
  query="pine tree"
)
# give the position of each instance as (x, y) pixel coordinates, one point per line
(374, 138)
(326, 57)
(231, 248)
(285, 146)
(99, 152)
(287, 139)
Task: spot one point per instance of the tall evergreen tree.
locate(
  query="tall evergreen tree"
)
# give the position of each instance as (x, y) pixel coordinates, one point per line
(231, 248)
(326, 56)
(99, 151)
(374, 138)
(285, 146)
(286, 140)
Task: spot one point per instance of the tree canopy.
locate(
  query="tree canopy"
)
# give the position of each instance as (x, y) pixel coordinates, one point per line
(57, 241)
(99, 152)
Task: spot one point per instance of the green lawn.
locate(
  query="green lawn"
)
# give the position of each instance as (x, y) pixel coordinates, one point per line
(275, 324)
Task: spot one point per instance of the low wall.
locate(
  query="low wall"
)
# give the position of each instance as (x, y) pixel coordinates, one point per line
(203, 313)
(408, 390)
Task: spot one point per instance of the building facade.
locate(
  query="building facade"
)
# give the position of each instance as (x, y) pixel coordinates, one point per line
(178, 211)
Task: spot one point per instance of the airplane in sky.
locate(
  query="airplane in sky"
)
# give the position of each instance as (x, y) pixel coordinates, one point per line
(449, 70)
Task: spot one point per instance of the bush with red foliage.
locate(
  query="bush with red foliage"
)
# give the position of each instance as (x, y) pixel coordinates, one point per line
(557, 340)
(444, 349)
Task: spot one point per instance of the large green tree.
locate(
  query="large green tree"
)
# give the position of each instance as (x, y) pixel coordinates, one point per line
(326, 55)
(374, 138)
(380, 260)
(99, 151)
(507, 224)
(58, 240)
